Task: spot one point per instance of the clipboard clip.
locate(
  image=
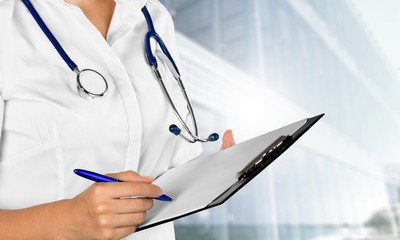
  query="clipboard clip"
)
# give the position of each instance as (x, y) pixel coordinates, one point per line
(265, 158)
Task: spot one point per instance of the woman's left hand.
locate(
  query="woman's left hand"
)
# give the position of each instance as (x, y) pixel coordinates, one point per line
(227, 140)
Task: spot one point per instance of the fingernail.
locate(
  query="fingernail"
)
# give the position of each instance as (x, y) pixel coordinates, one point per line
(145, 178)
(159, 191)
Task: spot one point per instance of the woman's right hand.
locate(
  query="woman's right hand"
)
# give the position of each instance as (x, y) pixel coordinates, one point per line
(105, 211)
(102, 211)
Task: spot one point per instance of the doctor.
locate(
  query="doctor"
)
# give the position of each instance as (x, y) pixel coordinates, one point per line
(47, 129)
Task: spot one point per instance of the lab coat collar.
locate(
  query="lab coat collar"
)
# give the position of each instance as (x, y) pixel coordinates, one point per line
(126, 15)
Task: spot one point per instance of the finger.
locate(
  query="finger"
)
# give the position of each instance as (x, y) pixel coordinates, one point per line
(132, 205)
(128, 189)
(227, 139)
(122, 232)
(115, 233)
(131, 176)
(128, 219)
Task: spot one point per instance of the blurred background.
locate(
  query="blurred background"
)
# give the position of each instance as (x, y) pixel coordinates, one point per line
(256, 65)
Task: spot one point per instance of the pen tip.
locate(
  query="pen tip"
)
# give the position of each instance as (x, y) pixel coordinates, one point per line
(164, 198)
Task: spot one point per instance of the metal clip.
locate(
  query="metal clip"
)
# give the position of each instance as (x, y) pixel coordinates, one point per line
(264, 159)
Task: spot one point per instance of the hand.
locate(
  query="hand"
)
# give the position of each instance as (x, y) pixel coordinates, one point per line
(96, 213)
(227, 140)
(100, 213)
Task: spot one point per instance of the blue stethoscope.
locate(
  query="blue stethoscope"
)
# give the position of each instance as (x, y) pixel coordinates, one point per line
(92, 84)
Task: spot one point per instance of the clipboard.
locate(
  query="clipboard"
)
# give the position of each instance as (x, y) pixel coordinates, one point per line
(209, 181)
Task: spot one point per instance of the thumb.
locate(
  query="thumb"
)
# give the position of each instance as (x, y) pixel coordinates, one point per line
(227, 139)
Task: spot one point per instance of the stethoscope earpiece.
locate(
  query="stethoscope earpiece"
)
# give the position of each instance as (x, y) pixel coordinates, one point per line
(213, 137)
(177, 131)
(174, 129)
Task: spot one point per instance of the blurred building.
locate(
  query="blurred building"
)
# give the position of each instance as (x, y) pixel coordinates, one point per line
(256, 65)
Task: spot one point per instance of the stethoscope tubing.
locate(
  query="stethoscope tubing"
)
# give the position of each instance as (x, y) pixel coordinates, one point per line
(151, 58)
(83, 92)
(71, 64)
(164, 55)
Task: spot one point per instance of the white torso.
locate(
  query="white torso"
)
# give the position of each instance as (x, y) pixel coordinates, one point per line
(48, 129)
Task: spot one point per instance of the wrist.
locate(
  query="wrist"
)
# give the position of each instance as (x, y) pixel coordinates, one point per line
(46, 221)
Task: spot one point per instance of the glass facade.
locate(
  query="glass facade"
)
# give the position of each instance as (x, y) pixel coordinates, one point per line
(254, 66)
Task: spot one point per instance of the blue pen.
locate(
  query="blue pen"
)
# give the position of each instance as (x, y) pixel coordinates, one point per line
(102, 178)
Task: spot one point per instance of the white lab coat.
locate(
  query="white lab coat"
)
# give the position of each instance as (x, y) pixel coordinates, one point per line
(48, 129)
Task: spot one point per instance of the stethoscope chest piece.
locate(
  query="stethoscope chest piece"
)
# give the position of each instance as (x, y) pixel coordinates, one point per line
(90, 83)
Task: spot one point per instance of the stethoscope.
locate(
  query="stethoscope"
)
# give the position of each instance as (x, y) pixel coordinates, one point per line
(92, 84)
